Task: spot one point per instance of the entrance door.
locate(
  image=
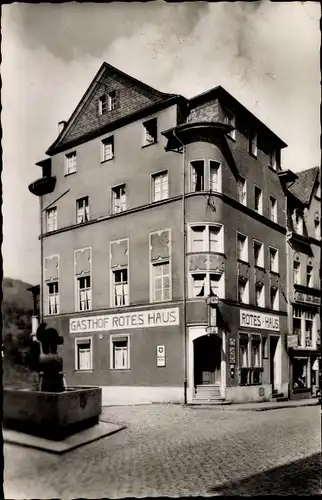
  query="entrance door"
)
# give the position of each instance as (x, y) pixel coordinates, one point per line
(207, 360)
(272, 351)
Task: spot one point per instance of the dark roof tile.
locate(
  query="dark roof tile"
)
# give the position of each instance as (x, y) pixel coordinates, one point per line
(302, 187)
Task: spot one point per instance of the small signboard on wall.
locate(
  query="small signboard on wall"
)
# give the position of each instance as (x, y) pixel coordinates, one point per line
(160, 355)
(292, 341)
(232, 351)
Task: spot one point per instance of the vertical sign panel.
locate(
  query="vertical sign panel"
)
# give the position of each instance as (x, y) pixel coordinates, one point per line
(161, 355)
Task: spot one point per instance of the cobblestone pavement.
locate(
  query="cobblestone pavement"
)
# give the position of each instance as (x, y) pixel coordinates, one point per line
(170, 450)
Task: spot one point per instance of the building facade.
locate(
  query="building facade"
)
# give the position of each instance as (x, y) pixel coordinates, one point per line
(163, 245)
(304, 257)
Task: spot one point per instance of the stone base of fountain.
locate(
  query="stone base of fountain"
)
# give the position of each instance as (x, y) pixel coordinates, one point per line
(51, 415)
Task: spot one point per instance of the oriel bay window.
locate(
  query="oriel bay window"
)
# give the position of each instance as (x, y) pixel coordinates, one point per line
(83, 354)
(84, 293)
(120, 287)
(197, 175)
(53, 298)
(203, 284)
(206, 238)
(161, 281)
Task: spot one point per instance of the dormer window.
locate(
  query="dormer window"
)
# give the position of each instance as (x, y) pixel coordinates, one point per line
(231, 120)
(272, 162)
(150, 132)
(108, 102)
(298, 222)
(253, 144)
(111, 101)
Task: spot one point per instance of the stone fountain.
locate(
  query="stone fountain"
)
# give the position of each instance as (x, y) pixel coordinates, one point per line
(52, 411)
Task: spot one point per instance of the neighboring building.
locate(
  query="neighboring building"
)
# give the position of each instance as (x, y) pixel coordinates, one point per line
(304, 257)
(153, 205)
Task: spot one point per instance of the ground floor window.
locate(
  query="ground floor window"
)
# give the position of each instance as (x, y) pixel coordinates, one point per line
(250, 359)
(300, 373)
(120, 352)
(83, 354)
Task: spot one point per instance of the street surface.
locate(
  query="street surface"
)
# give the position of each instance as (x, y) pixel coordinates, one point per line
(171, 450)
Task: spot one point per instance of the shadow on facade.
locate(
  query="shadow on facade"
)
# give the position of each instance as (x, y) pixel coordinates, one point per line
(302, 477)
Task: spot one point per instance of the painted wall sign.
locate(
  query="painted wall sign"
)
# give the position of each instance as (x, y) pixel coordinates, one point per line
(292, 341)
(135, 319)
(304, 297)
(161, 355)
(254, 319)
(232, 351)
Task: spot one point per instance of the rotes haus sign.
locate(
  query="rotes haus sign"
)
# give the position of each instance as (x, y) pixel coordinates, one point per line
(136, 319)
(254, 319)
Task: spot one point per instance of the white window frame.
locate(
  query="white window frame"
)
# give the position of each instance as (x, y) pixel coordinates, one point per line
(148, 139)
(261, 262)
(117, 196)
(260, 204)
(82, 210)
(153, 265)
(296, 272)
(214, 164)
(123, 284)
(245, 298)
(113, 339)
(193, 175)
(276, 304)
(262, 295)
(86, 289)
(242, 189)
(275, 267)
(51, 219)
(164, 192)
(70, 163)
(83, 340)
(206, 237)
(206, 283)
(108, 142)
(252, 144)
(102, 104)
(244, 257)
(111, 100)
(273, 208)
(55, 296)
(309, 276)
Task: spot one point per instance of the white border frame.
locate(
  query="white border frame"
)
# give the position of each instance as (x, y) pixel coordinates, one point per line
(76, 305)
(79, 340)
(119, 268)
(115, 336)
(110, 136)
(147, 119)
(219, 175)
(190, 225)
(205, 163)
(153, 174)
(111, 200)
(46, 213)
(66, 154)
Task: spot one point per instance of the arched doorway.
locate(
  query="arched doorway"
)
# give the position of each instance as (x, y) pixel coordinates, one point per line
(207, 360)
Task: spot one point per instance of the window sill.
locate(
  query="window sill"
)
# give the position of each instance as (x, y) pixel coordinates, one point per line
(70, 173)
(148, 145)
(275, 273)
(84, 371)
(253, 155)
(275, 170)
(162, 199)
(261, 268)
(120, 369)
(107, 160)
(258, 212)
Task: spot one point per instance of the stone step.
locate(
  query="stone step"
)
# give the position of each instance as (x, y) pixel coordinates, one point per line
(207, 396)
(213, 391)
(206, 402)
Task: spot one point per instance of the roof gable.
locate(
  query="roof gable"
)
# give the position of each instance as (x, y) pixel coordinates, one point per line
(302, 188)
(132, 95)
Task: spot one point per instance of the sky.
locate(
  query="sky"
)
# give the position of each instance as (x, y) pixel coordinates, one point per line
(265, 54)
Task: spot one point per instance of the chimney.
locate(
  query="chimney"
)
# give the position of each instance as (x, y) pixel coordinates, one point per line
(61, 126)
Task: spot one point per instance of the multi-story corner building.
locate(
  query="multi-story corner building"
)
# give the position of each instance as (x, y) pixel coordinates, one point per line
(304, 257)
(163, 245)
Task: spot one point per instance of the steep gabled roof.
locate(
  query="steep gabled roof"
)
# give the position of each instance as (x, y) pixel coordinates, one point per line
(151, 96)
(302, 188)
